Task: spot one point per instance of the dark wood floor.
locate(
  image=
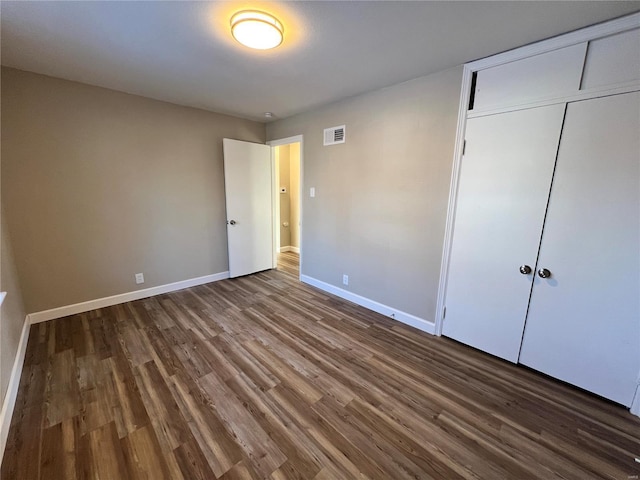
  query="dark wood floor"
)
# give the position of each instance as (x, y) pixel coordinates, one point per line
(264, 377)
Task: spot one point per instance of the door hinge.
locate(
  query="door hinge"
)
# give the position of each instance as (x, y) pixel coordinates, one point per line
(464, 147)
(444, 313)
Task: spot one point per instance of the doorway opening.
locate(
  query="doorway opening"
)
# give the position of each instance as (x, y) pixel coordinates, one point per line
(287, 212)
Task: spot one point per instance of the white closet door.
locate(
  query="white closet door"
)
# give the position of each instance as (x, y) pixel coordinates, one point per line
(504, 186)
(583, 325)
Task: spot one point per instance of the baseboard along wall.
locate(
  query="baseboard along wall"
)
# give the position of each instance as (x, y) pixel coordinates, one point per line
(406, 318)
(11, 396)
(76, 308)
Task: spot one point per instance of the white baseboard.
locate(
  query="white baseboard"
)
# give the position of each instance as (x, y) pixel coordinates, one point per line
(635, 404)
(76, 308)
(289, 249)
(407, 318)
(295, 249)
(12, 390)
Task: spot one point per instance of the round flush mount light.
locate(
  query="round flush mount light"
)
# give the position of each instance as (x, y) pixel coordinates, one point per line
(257, 30)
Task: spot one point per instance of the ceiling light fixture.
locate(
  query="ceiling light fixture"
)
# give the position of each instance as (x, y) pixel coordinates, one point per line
(257, 30)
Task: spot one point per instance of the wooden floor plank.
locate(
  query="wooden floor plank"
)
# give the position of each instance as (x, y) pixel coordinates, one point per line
(168, 423)
(143, 456)
(218, 445)
(256, 444)
(101, 455)
(264, 377)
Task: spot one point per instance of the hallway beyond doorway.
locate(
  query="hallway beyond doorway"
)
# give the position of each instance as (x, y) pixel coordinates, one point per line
(289, 262)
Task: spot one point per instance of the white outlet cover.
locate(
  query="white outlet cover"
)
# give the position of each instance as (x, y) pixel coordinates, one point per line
(139, 278)
(312, 192)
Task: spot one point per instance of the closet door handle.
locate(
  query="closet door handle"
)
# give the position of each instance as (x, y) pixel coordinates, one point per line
(544, 273)
(525, 269)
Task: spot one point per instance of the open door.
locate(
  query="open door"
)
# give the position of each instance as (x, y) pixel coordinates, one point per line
(247, 178)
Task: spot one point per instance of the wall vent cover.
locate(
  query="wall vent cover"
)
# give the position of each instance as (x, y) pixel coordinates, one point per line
(334, 135)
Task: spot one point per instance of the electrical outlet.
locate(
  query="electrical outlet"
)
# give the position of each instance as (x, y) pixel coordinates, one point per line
(312, 192)
(345, 279)
(139, 278)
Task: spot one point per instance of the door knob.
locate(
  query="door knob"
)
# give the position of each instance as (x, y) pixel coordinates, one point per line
(525, 269)
(232, 222)
(544, 273)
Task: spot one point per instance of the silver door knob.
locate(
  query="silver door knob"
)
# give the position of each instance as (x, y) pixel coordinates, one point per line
(231, 222)
(544, 273)
(525, 269)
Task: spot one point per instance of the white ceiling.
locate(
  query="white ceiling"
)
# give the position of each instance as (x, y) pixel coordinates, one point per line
(182, 52)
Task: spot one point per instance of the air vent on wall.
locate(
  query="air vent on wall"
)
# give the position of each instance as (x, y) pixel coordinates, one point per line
(334, 135)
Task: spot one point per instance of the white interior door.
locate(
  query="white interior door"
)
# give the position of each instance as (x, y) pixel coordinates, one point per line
(504, 186)
(583, 325)
(247, 178)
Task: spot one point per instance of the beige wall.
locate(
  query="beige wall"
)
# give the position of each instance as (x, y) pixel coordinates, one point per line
(285, 204)
(381, 198)
(98, 185)
(294, 193)
(12, 312)
(12, 316)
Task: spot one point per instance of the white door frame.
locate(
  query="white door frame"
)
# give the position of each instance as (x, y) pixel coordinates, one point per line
(276, 193)
(635, 405)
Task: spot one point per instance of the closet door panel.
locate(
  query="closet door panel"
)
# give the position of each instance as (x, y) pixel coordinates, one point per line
(547, 75)
(583, 325)
(613, 60)
(504, 186)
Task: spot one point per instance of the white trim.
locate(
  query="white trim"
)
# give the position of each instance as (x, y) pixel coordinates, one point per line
(294, 250)
(635, 404)
(453, 195)
(67, 310)
(579, 36)
(290, 249)
(301, 197)
(565, 98)
(275, 203)
(2, 297)
(406, 318)
(285, 249)
(11, 396)
(285, 141)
